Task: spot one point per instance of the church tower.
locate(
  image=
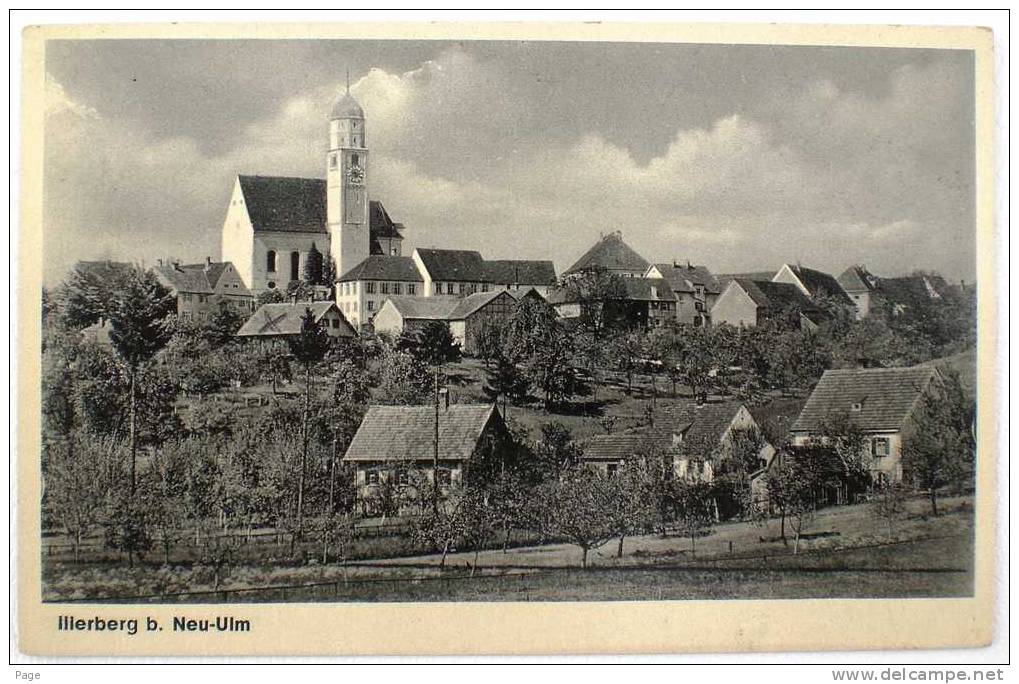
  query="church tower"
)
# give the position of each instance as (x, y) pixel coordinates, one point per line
(347, 184)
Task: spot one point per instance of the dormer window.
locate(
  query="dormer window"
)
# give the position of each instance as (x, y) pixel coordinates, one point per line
(857, 406)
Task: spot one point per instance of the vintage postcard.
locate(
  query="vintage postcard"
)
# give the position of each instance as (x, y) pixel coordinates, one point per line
(505, 339)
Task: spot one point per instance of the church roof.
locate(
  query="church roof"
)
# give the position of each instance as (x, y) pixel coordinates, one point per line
(285, 205)
(378, 267)
(610, 253)
(520, 272)
(298, 205)
(346, 107)
(453, 264)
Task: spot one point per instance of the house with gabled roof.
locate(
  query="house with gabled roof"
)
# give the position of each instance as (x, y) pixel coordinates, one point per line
(695, 289)
(606, 454)
(466, 317)
(203, 289)
(612, 255)
(895, 294)
(451, 272)
(521, 274)
(361, 291)
(881, 402)
(748, 303)
(283, 320)
(701, 433)
(813, 283)
(394, 443)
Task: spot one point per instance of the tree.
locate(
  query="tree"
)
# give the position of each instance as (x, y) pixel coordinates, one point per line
(138, 313)
(796, 359)
(402, 379)
(506, 381)
(313, 266)
(308, 348)
(273, 296)
(890, 505)
(271, 361)
(626, 350)
(85, 297)
(939, 445)
(592, 288)
(694, 511)
(696, 361)
(486, 341)
(581, 508)
(793, 484)
(739, 458)
(299, 291)
(556, 452)
(634, 511)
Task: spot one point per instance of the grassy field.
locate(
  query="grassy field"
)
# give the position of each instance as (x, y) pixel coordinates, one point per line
(847, 552)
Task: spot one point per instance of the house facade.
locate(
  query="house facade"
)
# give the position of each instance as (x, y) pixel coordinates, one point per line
(466, 317)
(748, 303)
(361, 292)
(695, 289)
(881, 402)
(518, 275)
(202, 290)
(395, 446)
(702, 436)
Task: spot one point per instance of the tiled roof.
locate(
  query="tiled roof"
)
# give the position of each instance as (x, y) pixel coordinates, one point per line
(911, 290)
(725, 278)
(818, 281)
(776, 296)
(103, 270)
(453, 264)
(857, 279)
(701, 426)
(298, 205)
(885, 397)
(623, 445)
(520, 272)
(647, 289)
(610, 252)
(378, 267)
(683, 278)
(283, 204)
(185, 278)
(285, 319)
(424, 308)
(473, 303)
(405, 433)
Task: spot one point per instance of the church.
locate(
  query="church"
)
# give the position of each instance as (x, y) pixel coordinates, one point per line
(274, 223)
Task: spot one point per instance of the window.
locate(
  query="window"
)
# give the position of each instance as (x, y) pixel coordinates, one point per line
(332, 161)
(270, 261)
(462, 288)
(857, 405)
(371, 477)
(370, 305)
(438, 288)
(355, 159)
(410, 288)
(612, 469)
(445, 477)
(880, 446)
(402, 477)
(384, 288)
(396, 288)
(295, 265)
(369, 288)
(449, 288)
(335, 323)
(484, 287)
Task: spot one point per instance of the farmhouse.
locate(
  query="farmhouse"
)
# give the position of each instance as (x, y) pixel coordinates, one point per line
(613, 255)
(607, 453)
(466, 317)
(282, 320)
(747, 303)
(518, 275)
(204, 289)
(396, 444)
(879, 401)
(703, 434)
(696, 290)
(813, 283)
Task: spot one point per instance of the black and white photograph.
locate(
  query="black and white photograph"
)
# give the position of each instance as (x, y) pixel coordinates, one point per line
(394, 321)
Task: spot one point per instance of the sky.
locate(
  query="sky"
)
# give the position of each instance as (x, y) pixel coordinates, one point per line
(741, 158)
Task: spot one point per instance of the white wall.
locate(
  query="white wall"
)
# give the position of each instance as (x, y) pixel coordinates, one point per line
(238, 236)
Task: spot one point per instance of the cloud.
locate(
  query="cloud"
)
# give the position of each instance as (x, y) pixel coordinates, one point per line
(461, 154)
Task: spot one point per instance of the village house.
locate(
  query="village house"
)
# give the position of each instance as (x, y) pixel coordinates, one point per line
(642, 303)
(606, 454)
(451, 272)
(282, 320)
(813, 283)
(696, 290)
(395, 443)
(204, 289)
(702, 434)
(860, 285)
(361, 292)
(466, 317)
(879, 401)
(897, 295)
(748, 303)
(517, 275)
(612, 255)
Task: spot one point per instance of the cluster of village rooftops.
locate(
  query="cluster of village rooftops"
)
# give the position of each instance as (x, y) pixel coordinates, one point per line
(346, 247)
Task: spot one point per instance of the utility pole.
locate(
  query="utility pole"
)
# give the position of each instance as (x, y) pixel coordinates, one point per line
(435, 451)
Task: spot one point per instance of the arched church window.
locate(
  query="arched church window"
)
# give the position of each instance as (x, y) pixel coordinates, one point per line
(295, 265)
(270, 261)
(332, 161)
(354, 159)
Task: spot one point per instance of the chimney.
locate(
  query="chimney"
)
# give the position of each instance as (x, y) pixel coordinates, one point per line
(160, 261)
(444, 393)
(688, 265)
(208, 263)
